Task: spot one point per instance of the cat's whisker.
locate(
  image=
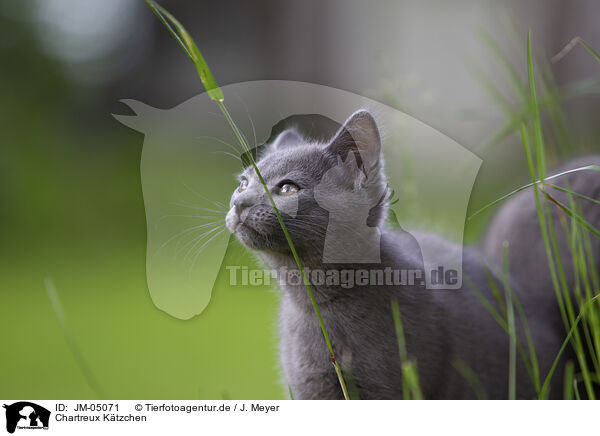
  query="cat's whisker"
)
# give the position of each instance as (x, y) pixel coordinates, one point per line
(181, 244)
(191, 206)
(187, 216)
(196, 240)
(214, 202)
(203, 246)
(345, 226)
(229, 144)
(187, 247)
(216, 114)
(322, 231)
(249, 118)
(230, 155)
(183, 232)
(307, 229)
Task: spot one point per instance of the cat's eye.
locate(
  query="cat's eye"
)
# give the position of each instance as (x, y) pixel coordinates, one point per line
(243, 185)
(288, 188)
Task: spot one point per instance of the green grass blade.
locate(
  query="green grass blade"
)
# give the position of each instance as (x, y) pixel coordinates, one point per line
(187, 43)
(411, 376)
(572, 214)
(351, 387)
(576, 194)
(533, 368)
(530, 361)
(546, 383)
(567, 92)
(70, 338)
(471, 378)
(590, 49)
(512, 303)
(399, 331)
(511, 72)
(489, 86)
(569, 381)
(411, 386)
(562, 139)
(576, 389)
(401, 347)
(529, 185)
(512, 331)
(537, 125)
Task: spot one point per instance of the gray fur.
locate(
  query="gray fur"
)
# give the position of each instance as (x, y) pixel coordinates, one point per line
(517, 223)
(441, 327)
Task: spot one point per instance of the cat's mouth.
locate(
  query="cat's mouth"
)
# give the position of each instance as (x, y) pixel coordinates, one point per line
(249, 236)
(246, 234)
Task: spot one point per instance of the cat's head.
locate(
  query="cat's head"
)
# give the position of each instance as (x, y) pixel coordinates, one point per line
(311, 183)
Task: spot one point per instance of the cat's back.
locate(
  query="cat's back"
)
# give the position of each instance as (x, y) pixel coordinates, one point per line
(471, 335)
(517, 224)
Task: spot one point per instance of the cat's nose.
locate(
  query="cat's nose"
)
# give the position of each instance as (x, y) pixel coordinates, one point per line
(241, 203)
(244, 203)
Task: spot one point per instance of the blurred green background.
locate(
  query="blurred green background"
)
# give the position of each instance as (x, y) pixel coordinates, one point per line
(70, 190)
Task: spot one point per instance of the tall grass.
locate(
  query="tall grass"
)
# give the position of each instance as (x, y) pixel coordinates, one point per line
(536, 162)
(581, 314)
(215, 93)
(582, 326)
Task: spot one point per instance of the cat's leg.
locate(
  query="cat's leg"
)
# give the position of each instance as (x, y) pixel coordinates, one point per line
(317, 386)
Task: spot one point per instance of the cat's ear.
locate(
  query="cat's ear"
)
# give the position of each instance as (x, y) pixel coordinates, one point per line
(287, 138)
(359, 135)
(144, 115)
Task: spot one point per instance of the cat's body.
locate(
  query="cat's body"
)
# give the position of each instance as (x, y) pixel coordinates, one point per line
(517, 223)
(444, 329)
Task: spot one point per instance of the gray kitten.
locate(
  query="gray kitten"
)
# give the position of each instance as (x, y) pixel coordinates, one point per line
(314, 184)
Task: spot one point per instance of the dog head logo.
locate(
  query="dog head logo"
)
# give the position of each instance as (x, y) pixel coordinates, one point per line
(26, 415)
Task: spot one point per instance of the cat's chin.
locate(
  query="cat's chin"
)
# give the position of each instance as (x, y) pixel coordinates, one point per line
(249, 237)
(257, 241)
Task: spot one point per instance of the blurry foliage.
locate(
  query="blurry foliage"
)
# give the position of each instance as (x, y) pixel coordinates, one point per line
(72, 210)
